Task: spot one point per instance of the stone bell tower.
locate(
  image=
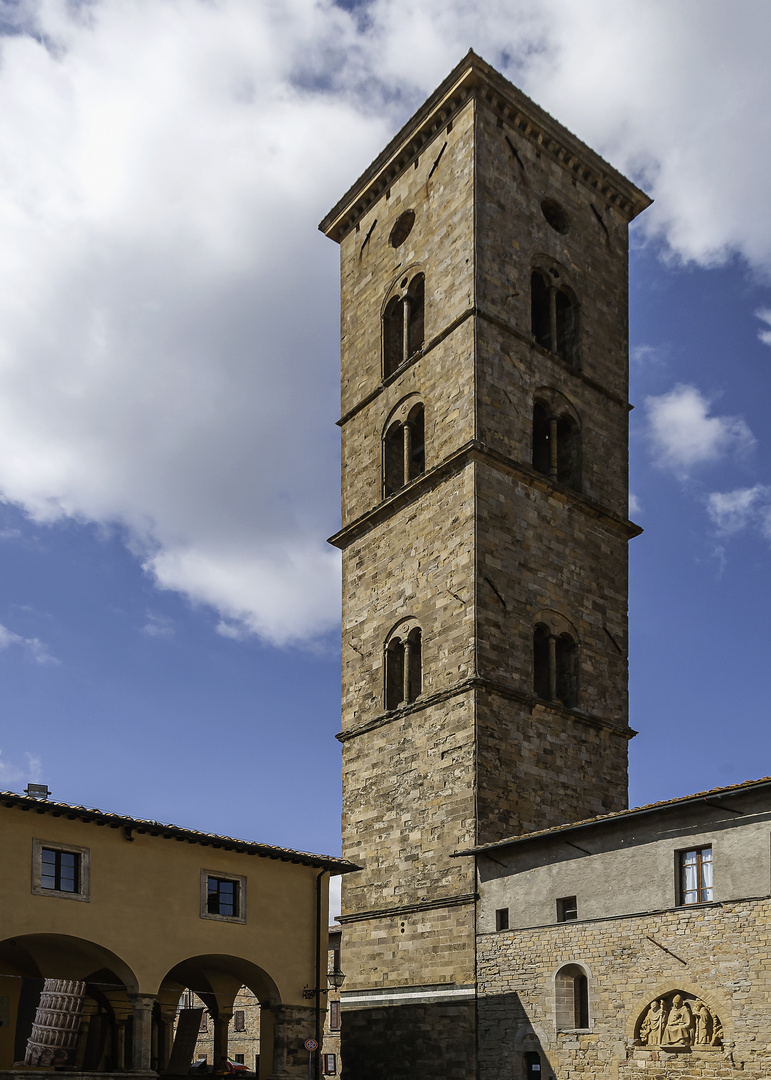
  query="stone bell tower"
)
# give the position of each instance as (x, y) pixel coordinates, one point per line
(484, 532)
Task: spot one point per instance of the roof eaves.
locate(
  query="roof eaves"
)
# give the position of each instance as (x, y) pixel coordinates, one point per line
(619, 815)
(174, 832)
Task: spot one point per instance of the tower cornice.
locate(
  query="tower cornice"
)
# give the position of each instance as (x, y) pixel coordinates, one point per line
(463, 456)
(474, 77)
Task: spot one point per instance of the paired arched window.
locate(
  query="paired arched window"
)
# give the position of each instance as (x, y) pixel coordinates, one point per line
(557, 442)
(403, 665)
(404, 450)
(403, 324)
(554, 314)
(572, 998)
(555, 662)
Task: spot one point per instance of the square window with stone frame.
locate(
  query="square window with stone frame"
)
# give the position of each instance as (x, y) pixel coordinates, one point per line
(223, 896)
(695, 876)
(60, 870)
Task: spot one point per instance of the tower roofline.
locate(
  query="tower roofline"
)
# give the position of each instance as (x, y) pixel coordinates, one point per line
(469, 77)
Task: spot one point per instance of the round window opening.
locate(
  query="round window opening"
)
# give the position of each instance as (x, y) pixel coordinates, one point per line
(555, 215)
(402, 228)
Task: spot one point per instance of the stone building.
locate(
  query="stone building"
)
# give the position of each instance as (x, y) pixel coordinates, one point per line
(107, 921)
(484, 533)
(634, 944)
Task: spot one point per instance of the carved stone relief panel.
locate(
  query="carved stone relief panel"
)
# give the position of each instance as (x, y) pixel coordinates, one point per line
(678, 1020)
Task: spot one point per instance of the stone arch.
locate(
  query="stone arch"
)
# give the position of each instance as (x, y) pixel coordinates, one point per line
(555, 309)
(403, 319)
(216, 979)
(555, 658)
(60, 975)
(573, 986)
(403, 663)
(715, 1002)
(556, 439)
(63, 956)
(403, 444)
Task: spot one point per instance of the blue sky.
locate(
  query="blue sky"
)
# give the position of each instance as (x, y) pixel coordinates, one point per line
(168, 380)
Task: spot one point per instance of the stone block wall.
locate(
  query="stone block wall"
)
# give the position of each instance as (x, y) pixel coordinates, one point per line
(720, 953)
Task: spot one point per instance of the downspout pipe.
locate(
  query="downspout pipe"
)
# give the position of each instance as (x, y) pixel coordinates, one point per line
(319, 1021)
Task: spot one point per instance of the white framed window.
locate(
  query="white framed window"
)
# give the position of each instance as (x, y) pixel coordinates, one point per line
(62, 870)
(223, 896)
(696, 876)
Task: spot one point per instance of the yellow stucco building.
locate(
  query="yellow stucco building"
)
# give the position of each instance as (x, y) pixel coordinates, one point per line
(105, 920)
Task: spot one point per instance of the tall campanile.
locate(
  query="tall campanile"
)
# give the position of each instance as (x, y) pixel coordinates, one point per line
(484, 362)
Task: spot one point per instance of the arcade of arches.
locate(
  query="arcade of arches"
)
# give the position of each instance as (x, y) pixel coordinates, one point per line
(107, 921)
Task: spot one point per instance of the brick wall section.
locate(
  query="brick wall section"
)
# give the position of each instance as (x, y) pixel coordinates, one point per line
(727, 954)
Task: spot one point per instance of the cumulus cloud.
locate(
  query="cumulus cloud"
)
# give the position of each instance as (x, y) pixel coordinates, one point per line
(683, 435)
(33, 647)
(168, 313)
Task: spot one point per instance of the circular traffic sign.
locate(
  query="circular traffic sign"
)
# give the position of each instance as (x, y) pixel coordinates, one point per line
(311, 1044)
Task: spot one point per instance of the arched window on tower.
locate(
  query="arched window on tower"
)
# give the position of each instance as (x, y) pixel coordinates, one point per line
(557, 442)
(572, 998)
(555, 661)
(403, 665)
(554, 315)
(404, 447)
(403, 325)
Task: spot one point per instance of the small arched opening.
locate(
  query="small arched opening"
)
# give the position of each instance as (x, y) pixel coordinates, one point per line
(404, 324)
(403, 665)
(404, 446)
(554, 314)
(572, 998)
(555, 660)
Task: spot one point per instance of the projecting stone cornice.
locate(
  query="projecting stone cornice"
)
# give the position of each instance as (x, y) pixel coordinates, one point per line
(493, 686)
(475, 451)
(409, 909)
(500, 324)
(474, 77)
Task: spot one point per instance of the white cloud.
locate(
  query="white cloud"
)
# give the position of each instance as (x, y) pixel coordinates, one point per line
(168, 322)
(764, 314)
(13, 776)
(634, 504)
(34, 647)
(158, 626)
(734, 511)
(683, 435)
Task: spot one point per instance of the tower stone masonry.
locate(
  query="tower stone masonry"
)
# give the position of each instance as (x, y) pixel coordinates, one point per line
(484, 420)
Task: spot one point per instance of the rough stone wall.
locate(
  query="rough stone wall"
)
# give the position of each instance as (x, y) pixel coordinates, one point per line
(441, 243)
(537, 550)
(511, 230)
(468, 762)
(722, 954)
(540, 766)
(418, 562)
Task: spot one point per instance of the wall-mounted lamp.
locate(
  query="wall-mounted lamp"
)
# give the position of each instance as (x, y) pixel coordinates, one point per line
(334, 978)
